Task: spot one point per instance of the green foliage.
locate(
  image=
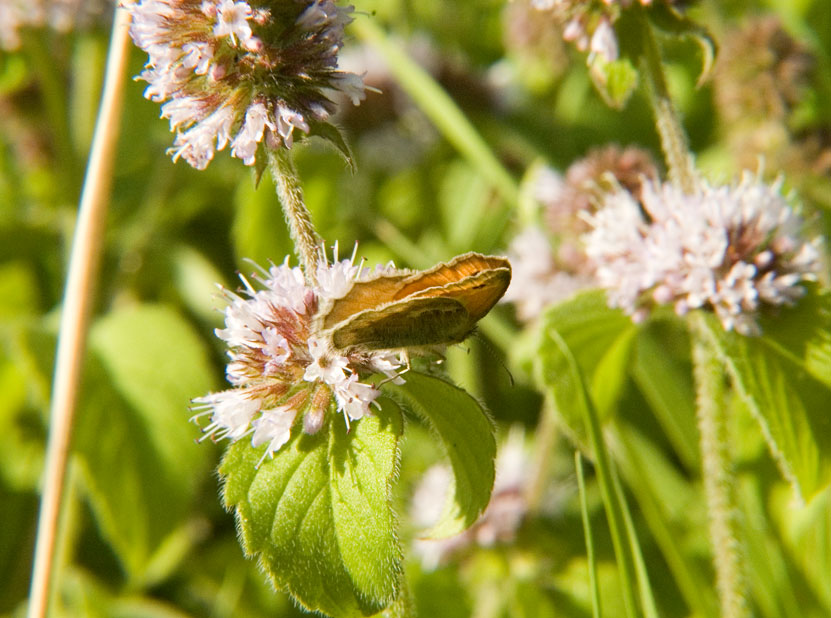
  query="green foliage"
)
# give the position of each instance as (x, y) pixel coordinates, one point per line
(615, 81)
(318, 515)
(474, 93)
(784, 380)
(466, 433)
(673, 23)
(637, 593)
(147, 363)
(600, 340)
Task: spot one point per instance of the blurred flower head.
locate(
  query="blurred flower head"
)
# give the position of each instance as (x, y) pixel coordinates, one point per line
(588, 24)
(549, 265)
(281, 370)
(734, 250)
(762, 81)
(762, 72)
(535, 37)
(242, 73)
(536, 280)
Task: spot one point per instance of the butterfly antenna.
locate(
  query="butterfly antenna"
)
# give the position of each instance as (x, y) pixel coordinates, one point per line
(494, 353)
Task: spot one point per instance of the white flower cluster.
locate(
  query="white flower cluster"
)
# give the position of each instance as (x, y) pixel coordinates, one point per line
(731, 249)
(60, 15)
(280, 368)
(536, 280)
(223, 84)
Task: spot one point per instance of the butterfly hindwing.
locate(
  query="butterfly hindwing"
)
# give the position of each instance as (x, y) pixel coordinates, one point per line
(418, 322)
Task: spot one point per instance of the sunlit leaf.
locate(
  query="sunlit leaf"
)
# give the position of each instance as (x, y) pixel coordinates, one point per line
(790, 403)
(466, 432)
(318, 516)
(664, 377)
(334, 136)
(615, 81)
(670, 21)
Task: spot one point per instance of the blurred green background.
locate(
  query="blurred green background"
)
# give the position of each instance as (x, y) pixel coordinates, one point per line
(144, 533)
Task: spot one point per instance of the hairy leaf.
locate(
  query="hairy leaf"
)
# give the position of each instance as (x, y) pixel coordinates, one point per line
(318, 516)
(791, 403)
(467, 435)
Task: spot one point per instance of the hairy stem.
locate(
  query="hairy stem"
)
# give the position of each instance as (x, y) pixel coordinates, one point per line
(673, 138)
(307, 242)
(717, 475)
(80, 290)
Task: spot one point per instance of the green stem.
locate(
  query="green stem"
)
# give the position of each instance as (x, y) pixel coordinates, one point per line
(717, 474)
(597, 610)
(546, 436)
(307, 242)
(673, 138)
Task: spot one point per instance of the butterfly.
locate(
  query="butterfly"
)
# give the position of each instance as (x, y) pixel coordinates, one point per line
(437, 306)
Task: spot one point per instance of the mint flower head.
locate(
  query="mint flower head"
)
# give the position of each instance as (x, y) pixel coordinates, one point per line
(550, 263)
(242, 73)
(282, 371)
(734, 250)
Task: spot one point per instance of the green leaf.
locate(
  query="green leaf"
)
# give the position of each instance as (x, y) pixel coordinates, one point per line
(318, 514)
(803, 334)
(468, 437)
(615, 81)
(600, 339)
(670, 21)
(778, 385)
(633, 578)
(664, 377)
(141, 464)
(334, 136)
(364, 465)
(196, 280)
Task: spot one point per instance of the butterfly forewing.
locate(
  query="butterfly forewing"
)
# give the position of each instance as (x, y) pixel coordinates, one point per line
(436, 306)
(453, 272)
(364, 294)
